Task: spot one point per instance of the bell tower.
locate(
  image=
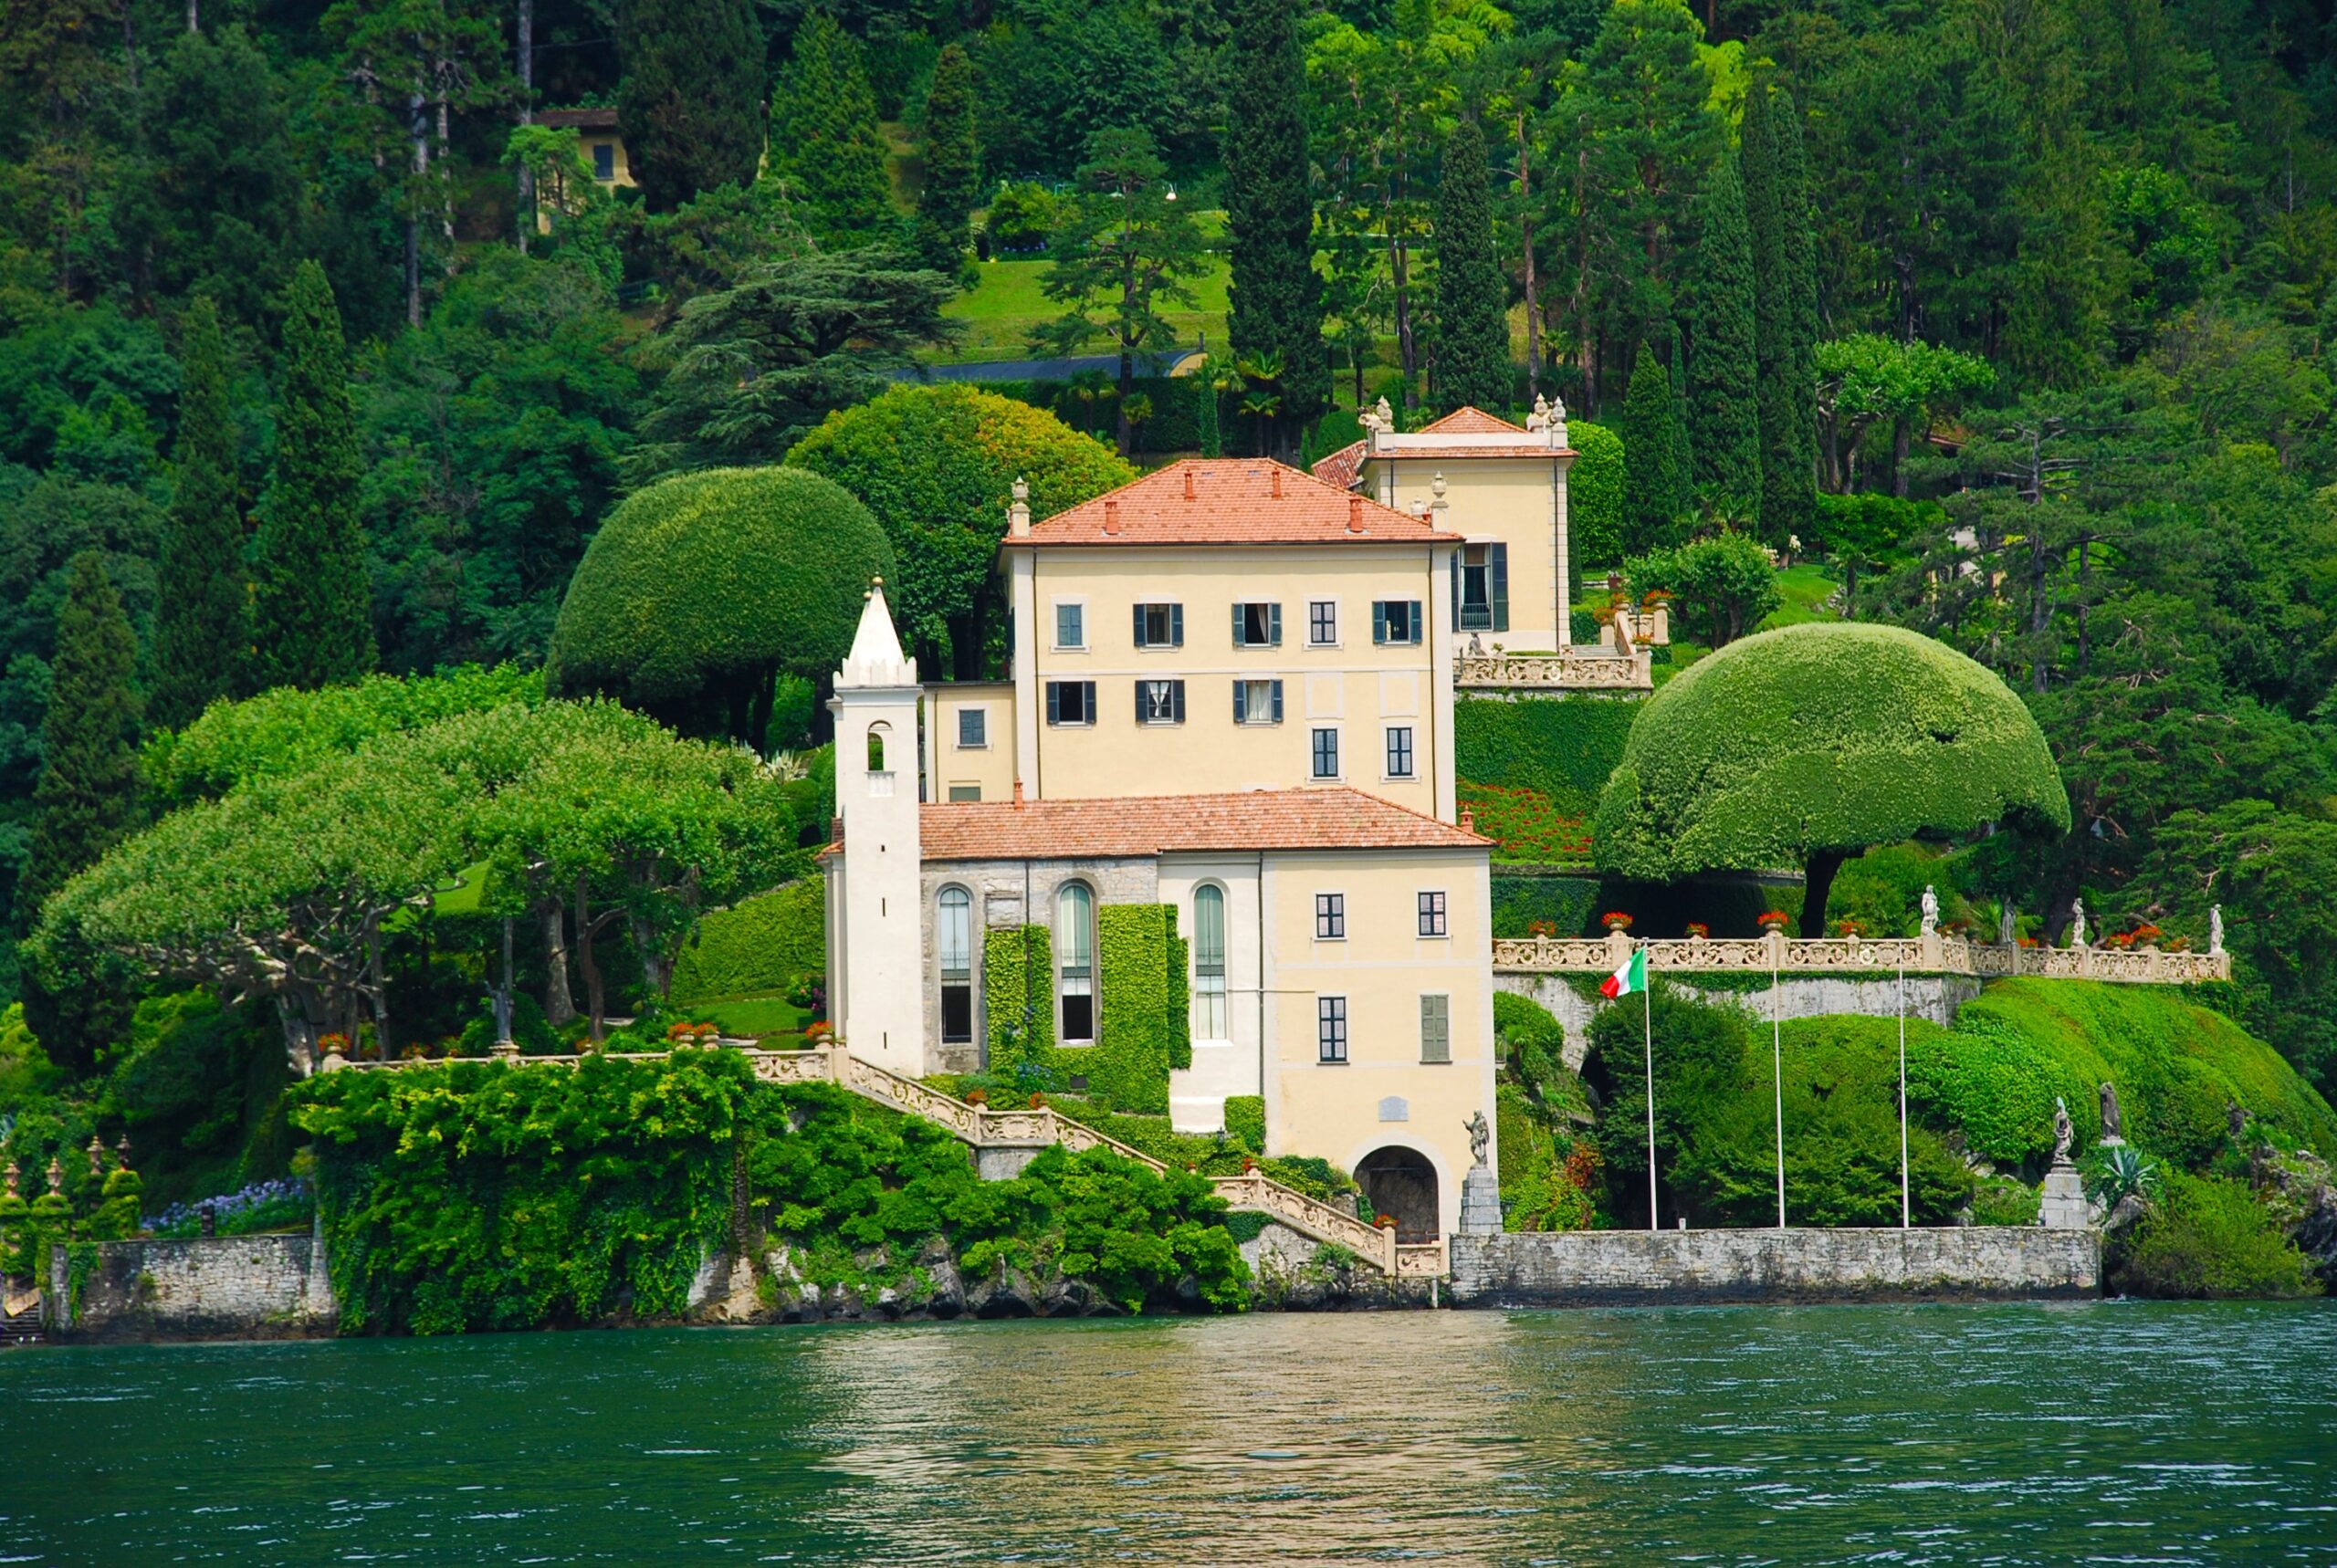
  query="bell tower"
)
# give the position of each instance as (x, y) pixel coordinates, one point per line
(875, 931)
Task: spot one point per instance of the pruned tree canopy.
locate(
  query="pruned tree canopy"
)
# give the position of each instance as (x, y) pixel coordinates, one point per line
(1807, 744)
(702, 588)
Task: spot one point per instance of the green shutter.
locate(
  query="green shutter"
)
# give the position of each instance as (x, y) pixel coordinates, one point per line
(1497, 568)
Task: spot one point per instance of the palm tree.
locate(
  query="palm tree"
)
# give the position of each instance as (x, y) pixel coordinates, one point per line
(1261, 399)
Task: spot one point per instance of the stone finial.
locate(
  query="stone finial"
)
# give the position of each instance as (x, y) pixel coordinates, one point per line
(1540, 418)
(1436, 487)
(97, 1155)
(55, 1174)
(1018, 510)
(121, 1151)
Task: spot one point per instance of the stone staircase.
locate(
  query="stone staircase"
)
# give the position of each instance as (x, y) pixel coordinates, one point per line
(20, 1318)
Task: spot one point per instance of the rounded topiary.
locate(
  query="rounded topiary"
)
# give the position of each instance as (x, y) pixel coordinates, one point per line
(936, 465)
(1807, 745)
(701, 589)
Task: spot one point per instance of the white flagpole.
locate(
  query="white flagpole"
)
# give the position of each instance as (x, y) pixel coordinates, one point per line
(1778, 1074)
(1904, 1205)
(1647, 995)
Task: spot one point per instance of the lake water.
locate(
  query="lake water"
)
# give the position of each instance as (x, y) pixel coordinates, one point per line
(2104, 1432)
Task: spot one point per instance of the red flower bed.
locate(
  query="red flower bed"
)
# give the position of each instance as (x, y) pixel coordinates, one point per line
(1526, 824)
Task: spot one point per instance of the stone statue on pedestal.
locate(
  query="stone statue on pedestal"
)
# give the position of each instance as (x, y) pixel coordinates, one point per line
(1480, 1135)
(2064, 1132)
(2007, 926)
(2113, 1124)
(2076, 923)
(2061, 1202)
(1930, 911)
(2214, 928)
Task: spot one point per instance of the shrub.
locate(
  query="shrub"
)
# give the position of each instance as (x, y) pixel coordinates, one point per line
(760, 946)
(1020, 218)
(1594, 498)
(2210, 1238)
(1562, 749)
(701, 589)
(1245, 1120)
(1536, 1191)
(1722, 586)
(1145, 1030)
(2000, 1200)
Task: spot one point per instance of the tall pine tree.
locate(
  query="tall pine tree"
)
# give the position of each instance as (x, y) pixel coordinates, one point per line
(1655, 491)
(953, 162)
(201, 628)
(1277, 297)
(1472, 303)
(824, 141)
(691, 97)
(312, 617)
(1724, 361)
(1784, 267)
(87, 799)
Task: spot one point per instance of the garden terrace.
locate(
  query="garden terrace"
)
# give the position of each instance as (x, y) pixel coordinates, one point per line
(1933, 954)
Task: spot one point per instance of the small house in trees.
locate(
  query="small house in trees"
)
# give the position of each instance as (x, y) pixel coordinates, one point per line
(1164, 948)
(598, 137)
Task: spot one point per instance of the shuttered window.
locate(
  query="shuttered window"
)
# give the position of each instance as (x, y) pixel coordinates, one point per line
(1436, 1029)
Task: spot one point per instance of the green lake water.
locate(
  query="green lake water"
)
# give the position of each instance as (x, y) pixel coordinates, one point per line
(2094, 1433)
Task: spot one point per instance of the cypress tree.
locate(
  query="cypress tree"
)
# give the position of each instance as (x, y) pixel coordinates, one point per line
(1472, 315)
(953, 164)
(1277, 297)
(1653, 486)
(1785, 265)
(312, 619)
(87, 799)
(1682, 474)
(1723, 368)
(824, 141)
(690, 98)
(199, 626)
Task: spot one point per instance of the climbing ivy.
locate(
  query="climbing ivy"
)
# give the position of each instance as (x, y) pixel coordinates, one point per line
(1018, 995)
(1143, 1028)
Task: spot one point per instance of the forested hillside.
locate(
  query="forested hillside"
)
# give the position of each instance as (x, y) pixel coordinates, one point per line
(326, 348)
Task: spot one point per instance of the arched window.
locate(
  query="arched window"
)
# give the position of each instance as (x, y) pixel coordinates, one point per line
(953, 936)
(876, 733)
(1076, 958)
(1209, 963)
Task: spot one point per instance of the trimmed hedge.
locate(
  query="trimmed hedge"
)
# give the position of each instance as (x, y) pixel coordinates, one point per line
(1820, 737)
(1563, 748)
(1568, 903)
(757, 948)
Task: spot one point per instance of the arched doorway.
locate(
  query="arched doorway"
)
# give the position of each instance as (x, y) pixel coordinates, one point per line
(1401, 1184)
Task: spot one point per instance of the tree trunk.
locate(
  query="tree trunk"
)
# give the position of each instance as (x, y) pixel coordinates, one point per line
(378, 988)
(193, 15)
(1525, 242)
(1817, 881)
(594, 993)
(1125, 433)
(560, 1003)
(418, 133)
(300, 1034)
(1899, 458)
(653, 967)
(527, 117)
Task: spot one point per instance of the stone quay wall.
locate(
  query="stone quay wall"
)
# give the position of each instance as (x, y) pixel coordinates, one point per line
(1642, 1268)
(220, 1287)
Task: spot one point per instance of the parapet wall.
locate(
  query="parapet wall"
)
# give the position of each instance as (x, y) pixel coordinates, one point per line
(220, 1287)
(1674, 1266)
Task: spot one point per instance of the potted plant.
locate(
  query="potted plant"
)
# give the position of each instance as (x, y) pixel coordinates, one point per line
(1849, 926)
(819, 1031)
(1616, 920)
(1541, 928)
(976, 1097)
(1698, 931)
(1384, 1222)
(1775, 920)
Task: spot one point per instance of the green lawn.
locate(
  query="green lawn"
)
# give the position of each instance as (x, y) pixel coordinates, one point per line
(755, 1019)
(1001, 315)
(1806, 588)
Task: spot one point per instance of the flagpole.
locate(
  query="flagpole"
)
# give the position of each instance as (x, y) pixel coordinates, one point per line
(1777, 1073)
(1647, 994)
(1904, 1206)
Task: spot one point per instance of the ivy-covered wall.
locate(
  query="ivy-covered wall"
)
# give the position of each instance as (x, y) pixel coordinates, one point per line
(1562, 746)
(1144, 1029)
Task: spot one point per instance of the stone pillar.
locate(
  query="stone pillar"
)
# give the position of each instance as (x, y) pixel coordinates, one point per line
(2062, 1204)
(1481, 1202)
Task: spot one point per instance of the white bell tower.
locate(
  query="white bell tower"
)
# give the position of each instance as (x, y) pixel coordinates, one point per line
(875, 930)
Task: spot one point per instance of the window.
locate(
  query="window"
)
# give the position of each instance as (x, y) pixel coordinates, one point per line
(1327, 754)
(605, 162)
(1399, 751)
(1481, 588)
(1070, 702)
(876, 734)
(1436, 1029)
(1159, 625)
(1071, 626)
(973, 728)
(1395, 621)
(1323, 622)
(1075, 950)
(953, 936)
(1331, 1028)
(1257, 625)
(1432, 915)
(1161, 702)
(1330, 916)
(1257, 702)
(965, 791)
(1209, 963)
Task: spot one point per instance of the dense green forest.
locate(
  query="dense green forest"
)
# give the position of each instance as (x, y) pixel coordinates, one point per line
(321, 353)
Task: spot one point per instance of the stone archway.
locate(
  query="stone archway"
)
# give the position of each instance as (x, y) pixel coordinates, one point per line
(1401, 1183)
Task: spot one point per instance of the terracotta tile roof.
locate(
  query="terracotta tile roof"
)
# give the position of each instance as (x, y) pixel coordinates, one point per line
(1341, 466)
(582, 119)
(1324, 818)
(1230, 500)
(1469, 421)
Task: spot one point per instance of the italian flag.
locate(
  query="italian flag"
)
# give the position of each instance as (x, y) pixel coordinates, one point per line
(1630, 978)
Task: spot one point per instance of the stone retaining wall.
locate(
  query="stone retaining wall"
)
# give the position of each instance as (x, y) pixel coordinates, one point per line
(220, 1287)
(1670, 1266)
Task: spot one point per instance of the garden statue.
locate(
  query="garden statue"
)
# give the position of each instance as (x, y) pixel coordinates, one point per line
(2063, 1132)
(2114, 1125)
(2005, 922)
(2076, 923)
(1479, 1134)
(2214, 928)
(1930, 911)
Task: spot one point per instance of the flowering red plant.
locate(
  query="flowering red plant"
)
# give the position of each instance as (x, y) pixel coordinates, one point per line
(1849, 926)
(1038, 1102)
(1616, 920)
(1541, 928)
(2145, 933)
(2029, 941)
(1698, 930)
(1384, 1222)
(1775, 920)
(818, 1033)
(976, 1097)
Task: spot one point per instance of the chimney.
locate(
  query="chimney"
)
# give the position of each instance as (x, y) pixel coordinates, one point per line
(1018, 794)
(1111, 513)
(1018, 511)
(1468, 819)
(1275, 469)
(1355, 514)
(1188, 482)
(835, 829)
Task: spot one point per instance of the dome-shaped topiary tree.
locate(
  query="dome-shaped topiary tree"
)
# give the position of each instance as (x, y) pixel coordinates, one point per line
(937, 465)
(1807, 744)
(701, 589)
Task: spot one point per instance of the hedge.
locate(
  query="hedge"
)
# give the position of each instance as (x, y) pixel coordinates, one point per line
(1563, 748)
(757, 948)
(1245, 1120)
(1568, 902)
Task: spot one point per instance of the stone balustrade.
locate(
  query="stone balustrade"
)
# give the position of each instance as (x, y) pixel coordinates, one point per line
(1573, 669)
(1934, 955)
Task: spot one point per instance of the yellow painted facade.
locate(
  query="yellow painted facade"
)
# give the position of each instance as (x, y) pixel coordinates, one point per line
(1519, 502)
(969, 741)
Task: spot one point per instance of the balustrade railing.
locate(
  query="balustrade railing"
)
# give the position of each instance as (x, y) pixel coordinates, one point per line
(1934, 955)
(1575, 669)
